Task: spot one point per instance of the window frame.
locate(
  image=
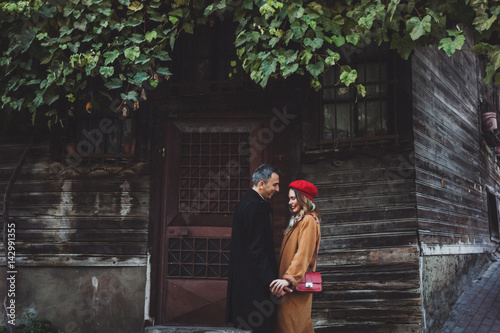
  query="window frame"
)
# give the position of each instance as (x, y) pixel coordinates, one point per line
(360, 60)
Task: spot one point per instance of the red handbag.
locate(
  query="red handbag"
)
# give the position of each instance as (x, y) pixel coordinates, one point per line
(310, 283)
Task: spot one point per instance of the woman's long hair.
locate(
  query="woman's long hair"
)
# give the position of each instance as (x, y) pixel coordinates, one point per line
(306, 206)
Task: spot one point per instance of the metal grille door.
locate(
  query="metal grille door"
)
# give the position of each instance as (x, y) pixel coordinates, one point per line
(214, 171)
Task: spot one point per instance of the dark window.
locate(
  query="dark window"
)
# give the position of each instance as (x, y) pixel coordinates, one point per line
(493, 216)
(205, 62)
(349, 117)
(97, 138)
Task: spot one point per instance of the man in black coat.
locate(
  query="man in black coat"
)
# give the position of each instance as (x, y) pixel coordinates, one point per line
(252, 268)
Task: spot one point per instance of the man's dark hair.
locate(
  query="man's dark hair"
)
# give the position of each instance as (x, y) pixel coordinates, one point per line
(264, 172)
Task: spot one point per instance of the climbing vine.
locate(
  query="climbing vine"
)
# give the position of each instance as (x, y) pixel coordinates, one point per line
(58, 53)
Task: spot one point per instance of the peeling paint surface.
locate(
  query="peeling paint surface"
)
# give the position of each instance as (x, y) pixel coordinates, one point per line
(126, 199)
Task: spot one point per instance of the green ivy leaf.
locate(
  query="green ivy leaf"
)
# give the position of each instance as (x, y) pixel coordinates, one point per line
(361, 89)
(484, 23)
(316, 69)
(163, 71)
(114, 83)
(353, 38)
(150, 35)
(268, 67)
(132, 52)
(106, 71)
(493, 63)
(135, 6)
(338, 40)
(298, 29)
(80, 25)
(403, 45)
(418, 27)
(315, 43)
(288, 70)
(131, 95)
(451, 45)
(348, 75)
(141, 77)
(110, 57)
(163, 56)
(332, 59)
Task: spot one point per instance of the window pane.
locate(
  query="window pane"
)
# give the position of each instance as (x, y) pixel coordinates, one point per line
(343, 121)
(347, 114)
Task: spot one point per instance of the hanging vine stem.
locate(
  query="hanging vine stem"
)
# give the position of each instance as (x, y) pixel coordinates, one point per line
(420, 17)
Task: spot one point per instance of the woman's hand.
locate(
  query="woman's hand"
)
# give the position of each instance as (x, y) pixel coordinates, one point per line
(277, 287)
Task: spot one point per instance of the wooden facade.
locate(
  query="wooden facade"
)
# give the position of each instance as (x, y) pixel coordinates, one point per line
(455, 171)
(405, 220)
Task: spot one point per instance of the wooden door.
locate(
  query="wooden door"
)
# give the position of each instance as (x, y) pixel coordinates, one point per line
(207, 171)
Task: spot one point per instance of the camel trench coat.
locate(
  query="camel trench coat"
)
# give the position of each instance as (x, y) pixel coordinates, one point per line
(297, 256)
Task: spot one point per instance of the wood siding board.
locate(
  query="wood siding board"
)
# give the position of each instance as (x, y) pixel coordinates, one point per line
(366, 215)
(425, 200)
(81, 211)
(450, 227)
(86, 248)
(370, 227)
(368, 188)
(335, 257)
(442, 127)
(357, 201)
(79, 260)
(24, 186)
(374, 285)
(372, 327)
(455, 195)
(432, 176)
(35, 236)
(62, 223)
(447, 160)
(369, 241)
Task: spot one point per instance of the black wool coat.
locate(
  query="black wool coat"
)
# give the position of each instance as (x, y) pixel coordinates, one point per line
(252, 267)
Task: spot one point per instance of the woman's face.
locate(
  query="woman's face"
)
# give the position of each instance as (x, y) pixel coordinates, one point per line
(293, 203)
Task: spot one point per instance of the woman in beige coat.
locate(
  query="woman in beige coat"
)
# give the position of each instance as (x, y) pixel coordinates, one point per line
(297, 255)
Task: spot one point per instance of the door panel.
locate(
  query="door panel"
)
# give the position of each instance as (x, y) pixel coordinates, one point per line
(206, 176)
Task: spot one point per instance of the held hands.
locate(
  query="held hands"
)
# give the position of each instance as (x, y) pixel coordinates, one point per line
(280, 287)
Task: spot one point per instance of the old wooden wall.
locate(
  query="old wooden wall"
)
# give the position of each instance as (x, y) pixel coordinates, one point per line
(81, 237)
(76, 215)
(368, 253)
(453, 169)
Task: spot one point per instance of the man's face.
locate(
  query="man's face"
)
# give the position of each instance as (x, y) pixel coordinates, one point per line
(272, 186)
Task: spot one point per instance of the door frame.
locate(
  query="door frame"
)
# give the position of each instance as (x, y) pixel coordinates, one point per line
(164, 162)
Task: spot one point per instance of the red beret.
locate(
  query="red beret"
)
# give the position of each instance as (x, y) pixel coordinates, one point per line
(306, 188)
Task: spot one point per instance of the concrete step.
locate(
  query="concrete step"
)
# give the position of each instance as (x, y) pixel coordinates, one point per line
(192, 329)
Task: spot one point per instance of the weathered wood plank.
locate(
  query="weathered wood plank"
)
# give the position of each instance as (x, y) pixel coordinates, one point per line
(87, 235)
(62, 223)
(341, 257)
(368, 241)
(369, 227)
(139, 184)
(85, 248)
(371, 326)
(359, 201)
(73, 260)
